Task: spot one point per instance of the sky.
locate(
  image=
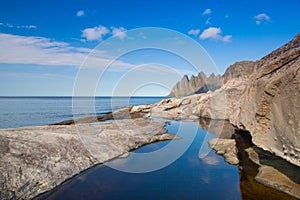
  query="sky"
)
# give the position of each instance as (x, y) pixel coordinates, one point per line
(104, 48)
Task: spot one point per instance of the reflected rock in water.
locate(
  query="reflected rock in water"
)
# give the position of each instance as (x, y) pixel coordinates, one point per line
(219, 128)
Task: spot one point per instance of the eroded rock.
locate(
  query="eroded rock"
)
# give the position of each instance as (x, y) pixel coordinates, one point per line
(261, 97)
(226, 148)
(196, 84)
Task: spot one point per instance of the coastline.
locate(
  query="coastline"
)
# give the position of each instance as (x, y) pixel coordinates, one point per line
(37, 159)
(262, 101)
(130, 114)
(168, 109)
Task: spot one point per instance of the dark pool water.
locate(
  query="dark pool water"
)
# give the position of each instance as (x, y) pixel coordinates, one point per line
(189, 177)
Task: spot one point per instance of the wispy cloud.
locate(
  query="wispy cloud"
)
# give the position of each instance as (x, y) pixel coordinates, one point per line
(38, 50)
(194, 32)
(119, 32)
(16, 49)
(95, 33)
(262, 18)
(33, 75)
(8, 25)
(208, 21)
(214, 33)
(207, 11)
(80, 13)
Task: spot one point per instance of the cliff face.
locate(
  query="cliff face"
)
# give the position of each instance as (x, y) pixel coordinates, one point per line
(238, 69)
(195, 85)
(261, 97)
(269, 106)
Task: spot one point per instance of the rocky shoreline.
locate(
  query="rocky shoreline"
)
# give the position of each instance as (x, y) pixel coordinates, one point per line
(260, 97)
(36, 159)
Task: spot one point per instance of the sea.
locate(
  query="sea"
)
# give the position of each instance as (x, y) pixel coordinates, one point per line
(35, 111)
(190, 176)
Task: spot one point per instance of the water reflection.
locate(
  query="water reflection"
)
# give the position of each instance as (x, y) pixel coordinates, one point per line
(250, 188)
(187, 178)
(219, 128)
(211, 160)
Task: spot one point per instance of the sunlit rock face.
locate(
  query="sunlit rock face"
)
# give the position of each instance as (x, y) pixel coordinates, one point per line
(269, 106)
(261, 97)
(196, 84)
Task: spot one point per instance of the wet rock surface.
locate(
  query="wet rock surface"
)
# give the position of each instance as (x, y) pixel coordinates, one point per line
(270, 176)
(248, 170)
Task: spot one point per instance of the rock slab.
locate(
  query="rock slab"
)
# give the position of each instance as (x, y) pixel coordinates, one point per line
(36, 159)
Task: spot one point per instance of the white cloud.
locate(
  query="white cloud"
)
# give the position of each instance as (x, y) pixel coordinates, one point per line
(194, 32)
(262, 18)
(119, 32)
(207, 11)
(8, 25)
(95, 33)
(215, 33)
(227, 38)
(211, 33)
(15, 49)
(38, 50)
(27, 26)
(80, 13)
(208, 21)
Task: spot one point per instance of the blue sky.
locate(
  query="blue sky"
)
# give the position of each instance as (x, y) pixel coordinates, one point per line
(44, 43)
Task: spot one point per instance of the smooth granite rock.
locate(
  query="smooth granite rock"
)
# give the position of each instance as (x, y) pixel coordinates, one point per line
(38, 158)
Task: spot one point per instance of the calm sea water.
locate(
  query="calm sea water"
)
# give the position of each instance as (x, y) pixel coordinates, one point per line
(189, 177)
(32, 111)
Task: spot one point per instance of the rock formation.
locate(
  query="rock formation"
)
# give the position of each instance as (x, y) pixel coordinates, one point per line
(36, 159)
(269, 105)
(196, 85)
(261, 97)
(225, 147)
(238, 69)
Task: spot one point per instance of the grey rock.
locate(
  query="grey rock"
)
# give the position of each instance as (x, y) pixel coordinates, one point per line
(226, 148)
(239, 69)
(196, 84)
(36, 159)
(262, 99)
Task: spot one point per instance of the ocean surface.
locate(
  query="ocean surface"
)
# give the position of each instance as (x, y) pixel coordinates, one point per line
(188, 177)
(33, 111)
